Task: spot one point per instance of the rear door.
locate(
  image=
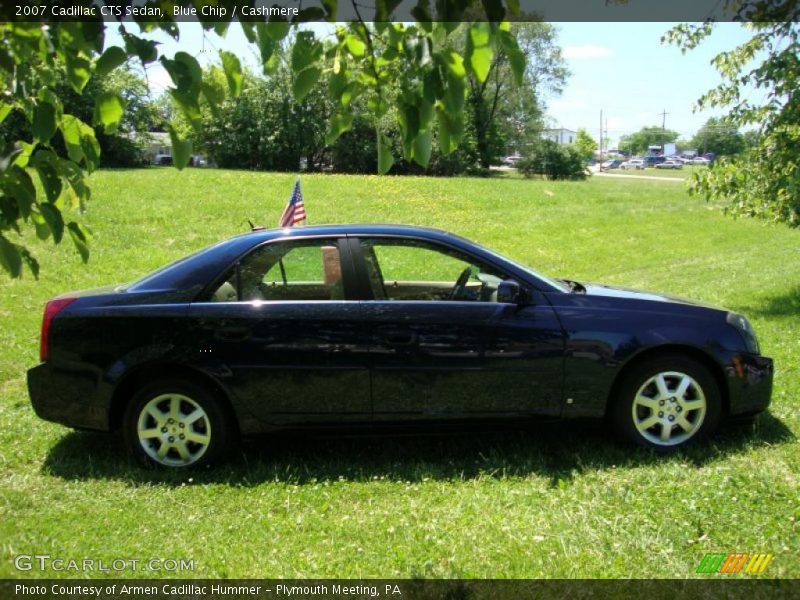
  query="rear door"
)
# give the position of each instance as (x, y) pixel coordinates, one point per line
(440, 344)
(283, 330)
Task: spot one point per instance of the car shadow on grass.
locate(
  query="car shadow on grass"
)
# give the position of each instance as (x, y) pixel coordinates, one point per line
(555, 451)
(786, 304)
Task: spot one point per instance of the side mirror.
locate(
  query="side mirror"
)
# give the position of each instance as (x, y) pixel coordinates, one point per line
(509, 292)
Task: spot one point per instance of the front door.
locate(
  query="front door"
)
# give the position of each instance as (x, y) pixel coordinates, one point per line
(440, 344)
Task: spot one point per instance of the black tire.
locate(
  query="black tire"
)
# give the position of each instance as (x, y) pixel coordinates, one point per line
(180, 437)
(686, 422)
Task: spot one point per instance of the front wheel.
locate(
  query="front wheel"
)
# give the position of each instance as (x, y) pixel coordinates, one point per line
(175, 423)
(667, 403)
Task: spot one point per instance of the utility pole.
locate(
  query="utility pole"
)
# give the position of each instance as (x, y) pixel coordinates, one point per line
(601, 138)
(663, 129)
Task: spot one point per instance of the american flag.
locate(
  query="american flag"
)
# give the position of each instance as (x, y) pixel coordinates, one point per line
(295, 211)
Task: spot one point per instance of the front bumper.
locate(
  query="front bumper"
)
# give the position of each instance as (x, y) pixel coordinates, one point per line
(749, 383)
(66, 398)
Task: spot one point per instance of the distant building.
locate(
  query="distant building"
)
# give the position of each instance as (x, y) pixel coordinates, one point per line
(157, 146)
(560, 136)
(158, 149)
(654, 150)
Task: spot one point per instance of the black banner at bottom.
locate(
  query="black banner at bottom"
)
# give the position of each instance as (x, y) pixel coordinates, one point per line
(397, 589)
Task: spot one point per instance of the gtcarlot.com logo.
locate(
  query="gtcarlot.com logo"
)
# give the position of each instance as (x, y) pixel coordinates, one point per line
(45, 562)
(750, 563)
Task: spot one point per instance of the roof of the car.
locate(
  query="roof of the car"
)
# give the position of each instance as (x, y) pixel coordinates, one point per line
(197, 269)
(353, 229)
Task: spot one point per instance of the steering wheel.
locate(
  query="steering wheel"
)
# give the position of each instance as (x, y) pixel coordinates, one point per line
(461, 284)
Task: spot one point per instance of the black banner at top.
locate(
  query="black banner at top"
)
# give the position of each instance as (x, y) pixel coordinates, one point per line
(212, 11)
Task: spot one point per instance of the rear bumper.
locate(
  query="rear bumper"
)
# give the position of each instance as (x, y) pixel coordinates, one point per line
(749, 383)
(66, 398)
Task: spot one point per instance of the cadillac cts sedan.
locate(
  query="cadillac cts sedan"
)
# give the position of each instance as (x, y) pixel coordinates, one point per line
(367, 326)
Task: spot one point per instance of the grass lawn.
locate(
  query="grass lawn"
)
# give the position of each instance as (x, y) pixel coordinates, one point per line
(563, 501)
(684, 173)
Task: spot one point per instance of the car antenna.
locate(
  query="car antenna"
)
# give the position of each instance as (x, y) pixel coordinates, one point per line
(255, 227)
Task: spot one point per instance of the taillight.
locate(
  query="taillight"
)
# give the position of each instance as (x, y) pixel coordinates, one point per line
(51, 309)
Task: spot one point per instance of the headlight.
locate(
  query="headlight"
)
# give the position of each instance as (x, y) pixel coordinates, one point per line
(743, 326)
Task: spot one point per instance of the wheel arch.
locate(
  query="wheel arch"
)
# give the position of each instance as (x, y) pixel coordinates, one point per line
(701, 356)
(127, 386)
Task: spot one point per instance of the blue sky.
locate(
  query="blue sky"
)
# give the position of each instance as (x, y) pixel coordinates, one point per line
(621, 68)
(624, 69)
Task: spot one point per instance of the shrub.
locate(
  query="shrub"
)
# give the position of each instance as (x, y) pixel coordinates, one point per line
(356, 150)
(553, 161)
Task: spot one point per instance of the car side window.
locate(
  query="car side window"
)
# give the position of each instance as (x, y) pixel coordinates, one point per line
(302, 270)
(416, 270)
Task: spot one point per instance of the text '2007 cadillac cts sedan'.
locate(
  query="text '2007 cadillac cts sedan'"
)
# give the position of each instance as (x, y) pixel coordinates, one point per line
(372, 325)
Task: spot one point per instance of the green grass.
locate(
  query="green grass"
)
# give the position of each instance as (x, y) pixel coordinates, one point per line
(684, 173)
(563, 501)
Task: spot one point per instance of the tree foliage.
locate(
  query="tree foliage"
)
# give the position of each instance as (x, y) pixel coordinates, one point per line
(553, 161)
(640, 141)
(120, 143)
(265, 127)
(719, 137)
(506, 111)
(585, 144)
(764, 180)
(411, 68)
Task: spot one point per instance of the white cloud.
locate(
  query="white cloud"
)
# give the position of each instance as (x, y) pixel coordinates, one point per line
(587, 51)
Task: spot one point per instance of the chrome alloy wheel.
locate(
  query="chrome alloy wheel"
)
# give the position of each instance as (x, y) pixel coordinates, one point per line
(669, 408)
(173, 430)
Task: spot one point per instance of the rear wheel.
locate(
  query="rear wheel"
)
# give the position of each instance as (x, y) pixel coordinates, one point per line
(176, 423)
(667, 403)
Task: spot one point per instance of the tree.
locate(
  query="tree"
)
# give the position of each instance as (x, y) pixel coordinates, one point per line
(585, 144)
(719, 137)
(639, 142)
(355, 150)
(764, 180)
(507, 113)
(429, 91)
(751, 138)
(553, 161)
(120, 147)
(265, 127)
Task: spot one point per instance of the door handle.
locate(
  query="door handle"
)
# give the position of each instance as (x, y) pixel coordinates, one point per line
(233, 333)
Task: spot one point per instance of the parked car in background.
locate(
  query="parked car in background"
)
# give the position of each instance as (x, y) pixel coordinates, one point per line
(670, 164)
(634, 163)
(700, 160)
(652, 161)
(611, 164)
(512, 160)
(378, 326)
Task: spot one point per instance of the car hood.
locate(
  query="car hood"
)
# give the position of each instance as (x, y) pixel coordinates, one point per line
(599, 289)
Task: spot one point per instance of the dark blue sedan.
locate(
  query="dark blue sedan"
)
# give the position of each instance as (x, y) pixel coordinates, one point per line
(366, 326)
